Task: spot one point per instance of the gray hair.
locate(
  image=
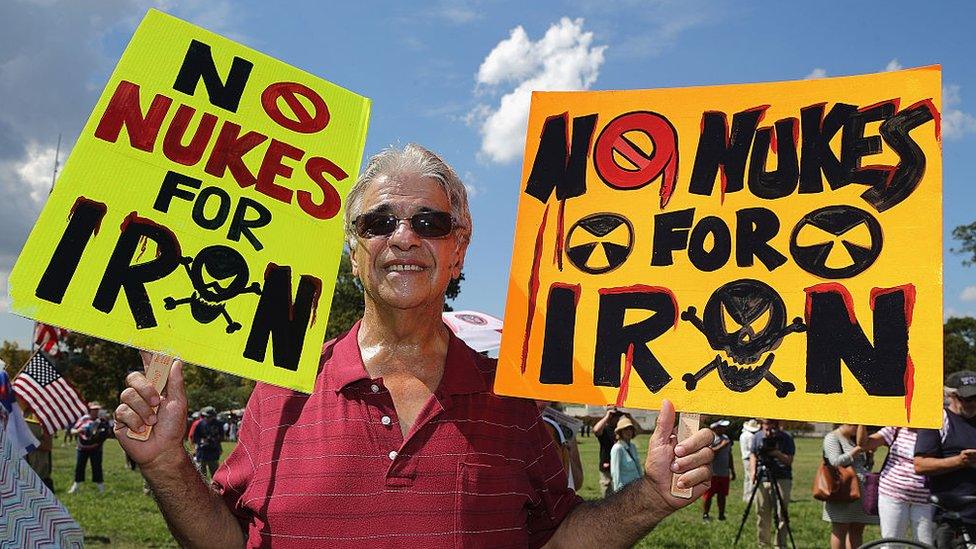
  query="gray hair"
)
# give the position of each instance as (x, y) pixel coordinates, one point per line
(412, 160)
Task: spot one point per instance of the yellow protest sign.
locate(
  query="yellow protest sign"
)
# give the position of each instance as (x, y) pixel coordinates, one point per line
(200, 212)
(767, 250)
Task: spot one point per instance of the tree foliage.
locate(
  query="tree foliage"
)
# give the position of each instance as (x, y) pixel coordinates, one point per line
(959, 345)
(966, 235)
(97, 368)
(13, 356)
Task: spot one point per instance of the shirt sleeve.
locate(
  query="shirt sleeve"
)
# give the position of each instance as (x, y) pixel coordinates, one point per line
(548, 479)
(888, 435)
(616, 456)
(835, 452)
(928, 443)
(234, 475)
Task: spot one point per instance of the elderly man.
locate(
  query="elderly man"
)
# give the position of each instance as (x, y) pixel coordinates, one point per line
(402, 441)
(947, 456)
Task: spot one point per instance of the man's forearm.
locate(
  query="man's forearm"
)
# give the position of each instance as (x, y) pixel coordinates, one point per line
(617, 521)
(195, 514)
(938, 466)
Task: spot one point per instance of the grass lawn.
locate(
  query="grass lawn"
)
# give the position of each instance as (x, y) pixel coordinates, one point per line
(124, 517)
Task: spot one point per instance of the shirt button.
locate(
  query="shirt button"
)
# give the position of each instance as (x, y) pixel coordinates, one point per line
(386, 420)
(375, 388)
(392, 455)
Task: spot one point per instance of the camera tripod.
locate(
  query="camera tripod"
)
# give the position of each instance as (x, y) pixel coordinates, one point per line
(764, 472)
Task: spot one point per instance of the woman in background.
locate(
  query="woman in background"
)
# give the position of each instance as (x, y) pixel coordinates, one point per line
(847, 519)
(903, 499)
(625, 463)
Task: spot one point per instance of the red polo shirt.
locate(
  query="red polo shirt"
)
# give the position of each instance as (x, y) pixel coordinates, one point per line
(332, 469)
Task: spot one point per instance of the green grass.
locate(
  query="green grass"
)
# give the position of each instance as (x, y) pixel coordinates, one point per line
(124, 517)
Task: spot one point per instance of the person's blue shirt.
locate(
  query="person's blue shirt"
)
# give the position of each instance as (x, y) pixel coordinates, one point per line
(625, 464)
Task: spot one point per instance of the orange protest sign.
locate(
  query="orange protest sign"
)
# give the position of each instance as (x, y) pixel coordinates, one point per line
(753, 250)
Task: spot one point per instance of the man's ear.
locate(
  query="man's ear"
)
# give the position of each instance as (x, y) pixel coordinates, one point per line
(353, 262)
(458, 264)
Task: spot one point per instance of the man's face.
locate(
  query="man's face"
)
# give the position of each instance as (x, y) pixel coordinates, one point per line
(402, 270)
(770, 425)
(93, 413)
(966, 407)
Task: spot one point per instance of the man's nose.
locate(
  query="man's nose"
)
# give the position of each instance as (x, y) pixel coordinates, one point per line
(403, 236)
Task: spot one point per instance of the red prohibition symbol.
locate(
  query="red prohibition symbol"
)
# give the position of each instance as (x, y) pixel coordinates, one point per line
(303, 120)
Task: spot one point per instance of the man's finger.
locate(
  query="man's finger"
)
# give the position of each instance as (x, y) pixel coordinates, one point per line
(695, 477)
(703, 456)
(695, 442)
(125, 416)
(134, 401)
(138, 382)
(665, 425)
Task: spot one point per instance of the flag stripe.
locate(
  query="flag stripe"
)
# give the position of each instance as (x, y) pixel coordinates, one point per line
(28, 392)
(65, 398)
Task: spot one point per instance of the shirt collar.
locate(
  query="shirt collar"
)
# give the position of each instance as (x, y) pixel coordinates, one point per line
(342, 364)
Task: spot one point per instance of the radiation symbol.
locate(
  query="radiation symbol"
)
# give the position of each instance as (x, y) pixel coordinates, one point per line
(836, 241)
(599, 243)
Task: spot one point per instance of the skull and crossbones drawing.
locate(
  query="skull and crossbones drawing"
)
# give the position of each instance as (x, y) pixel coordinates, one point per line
(207, 302)
(745, 319)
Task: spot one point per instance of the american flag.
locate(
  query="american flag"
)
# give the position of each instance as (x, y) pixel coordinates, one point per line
(54, 401)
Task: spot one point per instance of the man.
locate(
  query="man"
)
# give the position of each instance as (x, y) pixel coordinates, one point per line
(604, 431)
(722, 470)
(402, 441)
(92, 431)
(947, 456)
(749, 429)
(206, 441)
(772, 457)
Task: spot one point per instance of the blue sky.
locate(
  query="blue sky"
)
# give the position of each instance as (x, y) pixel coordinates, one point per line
(430, 70)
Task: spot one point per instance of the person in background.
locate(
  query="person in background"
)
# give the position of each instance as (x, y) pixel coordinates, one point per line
(206, 441)
(568, 448)
(772, 451)
(903, 497)
(947, 456)
(625, 463)
(92, 431)
(749, 429)
(722, 470)
(847, 519)
(604, 432)
(40, 458)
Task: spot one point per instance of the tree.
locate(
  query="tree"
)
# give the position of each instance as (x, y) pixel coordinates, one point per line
(13, 356)
(966, 235)
(959, 344)
(347, 300)
(206, 387)
(97, 368)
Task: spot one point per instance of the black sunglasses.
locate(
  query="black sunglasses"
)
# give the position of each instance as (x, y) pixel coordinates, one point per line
(425, 224)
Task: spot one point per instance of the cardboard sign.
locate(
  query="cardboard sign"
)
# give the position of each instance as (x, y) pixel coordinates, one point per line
(764, 250)
(200, 212)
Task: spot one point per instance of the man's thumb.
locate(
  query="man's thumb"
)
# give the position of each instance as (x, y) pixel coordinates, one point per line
(174, 385)
(665, 425)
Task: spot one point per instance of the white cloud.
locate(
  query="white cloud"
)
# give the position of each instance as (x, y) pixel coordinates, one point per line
(893, 65)
(458, 12)
(564, 59)
(955, 122)
(968, 293)
(816, 73)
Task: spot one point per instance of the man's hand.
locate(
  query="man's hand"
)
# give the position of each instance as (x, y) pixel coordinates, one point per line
(968, 457)
(169, 421)
(691, 459)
